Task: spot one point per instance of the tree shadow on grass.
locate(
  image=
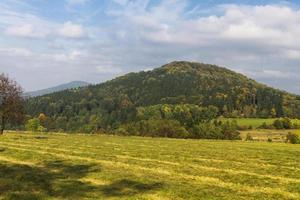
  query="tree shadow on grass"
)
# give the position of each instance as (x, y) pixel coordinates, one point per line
(126, 187)
(62, 180)
(56, 179)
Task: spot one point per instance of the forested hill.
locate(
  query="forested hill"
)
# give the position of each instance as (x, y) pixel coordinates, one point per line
(119, 100)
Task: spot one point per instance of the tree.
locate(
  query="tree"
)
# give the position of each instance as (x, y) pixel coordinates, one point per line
(11, 102)
(33, 124)
(42, 117)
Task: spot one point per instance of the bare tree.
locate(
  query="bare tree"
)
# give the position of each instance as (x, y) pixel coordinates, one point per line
(11, 102)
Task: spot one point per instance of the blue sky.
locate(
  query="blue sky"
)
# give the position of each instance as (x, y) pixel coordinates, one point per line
(44, 43)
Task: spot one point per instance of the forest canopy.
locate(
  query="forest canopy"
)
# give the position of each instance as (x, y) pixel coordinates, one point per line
(185, 93)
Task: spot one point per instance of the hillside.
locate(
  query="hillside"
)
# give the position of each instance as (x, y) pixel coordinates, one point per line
(70, 85)
(123, 99)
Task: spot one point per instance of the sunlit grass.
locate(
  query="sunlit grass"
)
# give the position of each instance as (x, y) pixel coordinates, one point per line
(60, 166)
(256, 122)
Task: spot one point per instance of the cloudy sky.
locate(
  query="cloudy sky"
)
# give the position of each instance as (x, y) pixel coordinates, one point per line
(44, 43)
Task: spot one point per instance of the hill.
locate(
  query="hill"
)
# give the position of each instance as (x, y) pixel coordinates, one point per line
(70, 85)
(178, 90)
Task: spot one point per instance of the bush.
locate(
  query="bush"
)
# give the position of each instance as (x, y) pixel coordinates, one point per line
(293, 138)
(154, 128)
(174, 129)
(229, 131)
(32, 124)
(266, 126)
(278, 124)
(249, 137)
(283, 123)
(224, 131)
(121, 131)
(41, 129)
(206, 131)
(243, 128)
(286, 123)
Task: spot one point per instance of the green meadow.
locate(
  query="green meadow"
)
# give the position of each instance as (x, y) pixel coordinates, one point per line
(256, 122)
(61, 166)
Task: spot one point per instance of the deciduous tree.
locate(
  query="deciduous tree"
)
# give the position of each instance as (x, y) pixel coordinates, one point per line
(11, 102)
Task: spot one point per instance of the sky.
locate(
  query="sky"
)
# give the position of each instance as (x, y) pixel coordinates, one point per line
(45, 43)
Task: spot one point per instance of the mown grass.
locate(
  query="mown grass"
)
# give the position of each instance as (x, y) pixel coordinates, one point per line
(58, 166)
(267, 134)
(255, 122)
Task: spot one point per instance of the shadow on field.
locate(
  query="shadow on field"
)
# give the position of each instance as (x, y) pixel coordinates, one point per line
(56, 179)
(126, 187)
(59, 179)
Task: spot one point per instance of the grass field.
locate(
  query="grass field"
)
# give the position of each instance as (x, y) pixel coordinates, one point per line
(265, 134)
(57, 166)
(256, 122)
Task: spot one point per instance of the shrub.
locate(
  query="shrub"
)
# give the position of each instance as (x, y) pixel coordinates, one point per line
(243, 128)
(32, 124)
(154, 128)
(249, 137)
(41, 129)
(283, 123)
(266, 126)
(206, 131)
(278, 124)
(229, 131)
(224, 131)
(121, 131)
(293, 138)
(286, 123)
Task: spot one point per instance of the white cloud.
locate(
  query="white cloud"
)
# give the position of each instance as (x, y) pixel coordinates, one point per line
(262, 40)
(268, 73)
(71, 30)
(15, 52)
(26, 30)
(293, 54)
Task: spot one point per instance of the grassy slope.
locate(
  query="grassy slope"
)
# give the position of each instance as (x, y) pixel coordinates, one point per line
(111, 167)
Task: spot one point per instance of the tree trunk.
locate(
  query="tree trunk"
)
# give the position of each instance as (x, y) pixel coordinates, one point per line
(2, 125)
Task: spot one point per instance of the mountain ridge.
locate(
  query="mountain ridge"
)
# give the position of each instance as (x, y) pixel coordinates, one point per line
(60, 87)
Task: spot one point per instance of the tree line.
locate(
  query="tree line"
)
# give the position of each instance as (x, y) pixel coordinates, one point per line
(183, 95)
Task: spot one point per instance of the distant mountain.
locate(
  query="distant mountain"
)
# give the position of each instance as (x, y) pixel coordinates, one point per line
(71, 85)
(124, 98)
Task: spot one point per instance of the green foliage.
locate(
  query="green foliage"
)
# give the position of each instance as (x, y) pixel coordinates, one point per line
(283, 123)
(249, 137)
(190, 93)
(229, 130)
(187, 114)
(293, 138)
(35, 125)
(268, 126)
(154, 128)
(32, 124)
(207, 131)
